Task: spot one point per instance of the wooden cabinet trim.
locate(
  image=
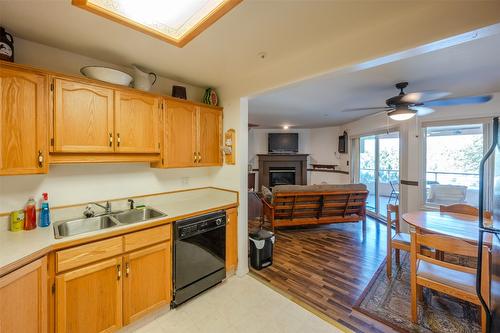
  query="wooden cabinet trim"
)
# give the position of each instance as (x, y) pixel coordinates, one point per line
(231, 240)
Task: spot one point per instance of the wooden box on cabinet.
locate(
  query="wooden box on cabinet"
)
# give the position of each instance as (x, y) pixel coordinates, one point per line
(192, 135)
(23, 121)
(23, 299)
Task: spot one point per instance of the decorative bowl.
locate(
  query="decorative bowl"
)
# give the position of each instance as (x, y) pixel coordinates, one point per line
(107, 74)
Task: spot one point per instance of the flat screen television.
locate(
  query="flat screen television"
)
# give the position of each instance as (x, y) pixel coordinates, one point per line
(283, 143)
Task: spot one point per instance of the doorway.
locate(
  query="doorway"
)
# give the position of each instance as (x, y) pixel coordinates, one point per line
(379, 171)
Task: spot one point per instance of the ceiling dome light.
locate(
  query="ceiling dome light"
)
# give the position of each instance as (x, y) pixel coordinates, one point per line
(285, 127)
(401, 113)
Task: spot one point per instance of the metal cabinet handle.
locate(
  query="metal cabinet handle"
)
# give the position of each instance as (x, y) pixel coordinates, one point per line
(40, 159)
(195, 157)
(127, 269)
(118, 271)
(111, 139)
(199, 157)
(118, 139)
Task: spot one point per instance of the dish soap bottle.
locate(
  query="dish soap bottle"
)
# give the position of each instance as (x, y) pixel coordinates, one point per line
(45, 211)
(30, 215)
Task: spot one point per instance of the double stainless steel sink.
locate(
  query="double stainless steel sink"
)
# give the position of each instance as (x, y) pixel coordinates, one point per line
(79, 226)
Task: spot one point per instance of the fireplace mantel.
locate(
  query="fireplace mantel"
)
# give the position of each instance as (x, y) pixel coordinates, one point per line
(297, 162)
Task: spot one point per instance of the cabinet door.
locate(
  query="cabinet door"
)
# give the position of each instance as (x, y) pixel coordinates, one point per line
(83, 118)
(136, 123)
(231, 240)
(89, 299)
(209, 137)
(180, 142)
(23, 299)
(23, 122)
(147, 283)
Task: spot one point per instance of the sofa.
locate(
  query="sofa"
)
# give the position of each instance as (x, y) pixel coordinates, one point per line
(294, 205)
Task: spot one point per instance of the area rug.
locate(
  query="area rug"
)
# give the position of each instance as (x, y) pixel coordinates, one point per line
(388, 301)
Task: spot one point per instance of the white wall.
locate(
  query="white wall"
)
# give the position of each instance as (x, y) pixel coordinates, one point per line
(46, 57)
(69, 184)
(320, 143)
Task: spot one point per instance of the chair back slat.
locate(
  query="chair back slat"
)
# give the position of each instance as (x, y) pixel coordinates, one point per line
(463, 209)
(447, 244)
(393, 216)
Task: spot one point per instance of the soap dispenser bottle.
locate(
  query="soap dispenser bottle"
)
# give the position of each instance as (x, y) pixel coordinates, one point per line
(45, 211)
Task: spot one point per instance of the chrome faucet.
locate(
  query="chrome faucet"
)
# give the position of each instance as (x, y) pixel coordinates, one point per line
(89, 212)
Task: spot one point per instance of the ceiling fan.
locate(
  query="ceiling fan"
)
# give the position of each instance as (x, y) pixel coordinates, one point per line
(406, 105)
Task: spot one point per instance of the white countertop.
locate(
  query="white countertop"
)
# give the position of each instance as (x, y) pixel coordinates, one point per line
(15, 246)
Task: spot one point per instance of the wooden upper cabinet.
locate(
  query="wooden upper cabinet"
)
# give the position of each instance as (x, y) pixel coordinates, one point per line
(209, 137)
(136, 123)
(83, 117)
(23, 299)
(23, 121)
(180, 134)
(147, 280)
(89, 299)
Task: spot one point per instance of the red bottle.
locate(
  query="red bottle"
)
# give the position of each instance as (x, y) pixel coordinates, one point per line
(30, 215)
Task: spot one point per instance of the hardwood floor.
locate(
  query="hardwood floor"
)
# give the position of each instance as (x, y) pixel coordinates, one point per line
(328, 267)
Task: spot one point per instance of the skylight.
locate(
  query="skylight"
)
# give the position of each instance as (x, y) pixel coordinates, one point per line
(175, 21)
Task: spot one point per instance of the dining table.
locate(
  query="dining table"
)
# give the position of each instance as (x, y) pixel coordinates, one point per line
(461, 226)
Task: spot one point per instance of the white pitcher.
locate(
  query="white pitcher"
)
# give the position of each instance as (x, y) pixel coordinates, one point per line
(142, 80)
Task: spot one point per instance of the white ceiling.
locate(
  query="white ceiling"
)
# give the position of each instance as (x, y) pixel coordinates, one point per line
(301, 38)
(467, 69)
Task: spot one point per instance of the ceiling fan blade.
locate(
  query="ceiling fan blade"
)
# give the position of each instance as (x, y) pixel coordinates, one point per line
(380, 108)
(423, 96)
(421, 110)
(459, 101)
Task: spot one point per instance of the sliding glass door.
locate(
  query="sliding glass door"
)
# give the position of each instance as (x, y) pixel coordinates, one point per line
(379, 171)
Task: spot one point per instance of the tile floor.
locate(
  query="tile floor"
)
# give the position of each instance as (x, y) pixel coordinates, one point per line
(240, 304)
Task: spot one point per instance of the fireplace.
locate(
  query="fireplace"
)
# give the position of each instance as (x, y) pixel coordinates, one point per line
(281, 176)
(282, 169)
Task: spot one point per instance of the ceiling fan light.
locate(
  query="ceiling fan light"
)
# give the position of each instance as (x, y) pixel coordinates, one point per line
(402, 114)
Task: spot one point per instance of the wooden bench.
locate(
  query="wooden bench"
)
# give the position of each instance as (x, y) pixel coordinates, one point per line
(316, 204)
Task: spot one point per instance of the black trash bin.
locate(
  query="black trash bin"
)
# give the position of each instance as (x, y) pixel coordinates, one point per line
(261, 249)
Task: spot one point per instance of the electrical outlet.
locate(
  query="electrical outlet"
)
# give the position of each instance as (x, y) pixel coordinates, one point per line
(185, 180)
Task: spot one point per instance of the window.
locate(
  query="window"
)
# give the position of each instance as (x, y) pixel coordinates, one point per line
(452, 156)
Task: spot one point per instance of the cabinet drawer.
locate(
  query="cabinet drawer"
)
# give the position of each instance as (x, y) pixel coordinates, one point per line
(81, 255)
(143, 238)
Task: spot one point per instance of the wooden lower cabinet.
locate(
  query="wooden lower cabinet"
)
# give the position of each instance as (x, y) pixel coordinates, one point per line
(104, 296)
(89, 299)
(23, 299)
(147, 281)
(231, 240)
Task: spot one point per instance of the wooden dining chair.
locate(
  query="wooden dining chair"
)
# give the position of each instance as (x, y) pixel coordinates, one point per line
(455, 280)
(463, 209)
(399, 241)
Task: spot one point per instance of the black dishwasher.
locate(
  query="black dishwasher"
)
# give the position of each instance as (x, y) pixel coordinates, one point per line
(199, 255)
